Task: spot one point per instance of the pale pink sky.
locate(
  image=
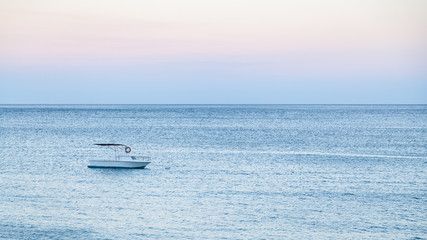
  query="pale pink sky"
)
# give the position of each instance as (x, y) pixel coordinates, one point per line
(277, 40)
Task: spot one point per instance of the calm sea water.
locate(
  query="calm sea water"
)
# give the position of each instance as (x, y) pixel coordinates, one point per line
(218, 172)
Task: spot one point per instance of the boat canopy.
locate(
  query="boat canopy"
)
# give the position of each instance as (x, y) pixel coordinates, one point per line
(109, 144)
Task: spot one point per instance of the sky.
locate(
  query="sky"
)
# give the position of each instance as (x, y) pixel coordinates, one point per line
(213, 52)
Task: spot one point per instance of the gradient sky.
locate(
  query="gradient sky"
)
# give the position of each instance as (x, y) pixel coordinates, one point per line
(213, 51)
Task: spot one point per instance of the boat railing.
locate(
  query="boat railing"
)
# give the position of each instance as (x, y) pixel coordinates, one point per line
(146, 158)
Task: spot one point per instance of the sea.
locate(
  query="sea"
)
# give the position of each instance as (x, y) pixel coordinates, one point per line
(217, 172)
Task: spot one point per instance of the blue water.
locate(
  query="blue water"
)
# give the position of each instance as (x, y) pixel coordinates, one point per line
(217, 172)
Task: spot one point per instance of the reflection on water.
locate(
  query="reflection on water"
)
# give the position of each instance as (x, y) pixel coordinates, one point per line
(220, 171)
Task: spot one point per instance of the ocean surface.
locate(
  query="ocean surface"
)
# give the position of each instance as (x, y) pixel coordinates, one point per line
(217, 172)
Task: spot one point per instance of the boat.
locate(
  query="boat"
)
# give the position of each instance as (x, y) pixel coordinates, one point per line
(120, 161)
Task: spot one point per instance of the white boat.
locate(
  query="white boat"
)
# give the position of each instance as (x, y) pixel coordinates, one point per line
(120, 161)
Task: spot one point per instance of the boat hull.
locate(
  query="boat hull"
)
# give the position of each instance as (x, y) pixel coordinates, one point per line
(116, 164)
